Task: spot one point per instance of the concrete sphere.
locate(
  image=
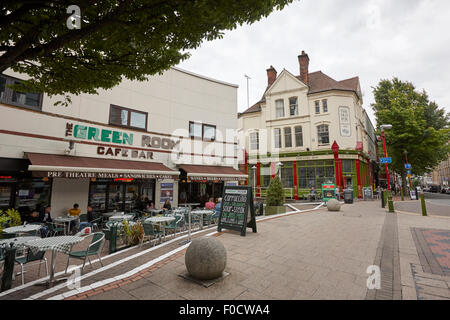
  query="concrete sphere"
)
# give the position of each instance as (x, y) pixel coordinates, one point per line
(206, 258)
(333, 205)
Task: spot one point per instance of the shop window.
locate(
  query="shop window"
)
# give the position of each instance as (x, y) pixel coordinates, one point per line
(277, 137)
(125, 117)
(287, 137)
(298, 136)
(293, 106)
(287, 177)
(97, 199)
(254, 141)
(279, 105)
(347, 166)
(5, 197)
(33, 194)
(115, 197)
(323, 134)
(21, 98)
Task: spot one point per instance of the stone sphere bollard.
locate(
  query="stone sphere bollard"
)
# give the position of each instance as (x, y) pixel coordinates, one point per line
(333, 205)
(206, 258)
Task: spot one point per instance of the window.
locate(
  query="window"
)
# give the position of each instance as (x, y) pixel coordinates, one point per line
(323, 135)
(209, 132)
(254, 141)
(125, 117)
(298, 136)
(280, 108)
(30, 100)
(287, 175)
(287, 137)
(325, 105)
(202, 131)
(277, 133)
(317, 107)
(293, 106)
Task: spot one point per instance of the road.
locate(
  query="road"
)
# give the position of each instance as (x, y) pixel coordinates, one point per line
(437, 204)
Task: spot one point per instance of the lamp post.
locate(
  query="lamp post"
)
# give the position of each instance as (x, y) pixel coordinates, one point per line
(386, 127)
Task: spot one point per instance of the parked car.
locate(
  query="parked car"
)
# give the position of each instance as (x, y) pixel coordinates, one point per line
(435, 188)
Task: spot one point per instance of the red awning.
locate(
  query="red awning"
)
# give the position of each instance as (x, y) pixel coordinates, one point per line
(63, 166)
(200, 172)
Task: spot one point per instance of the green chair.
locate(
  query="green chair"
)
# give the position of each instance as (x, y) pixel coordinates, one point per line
(175, 224)
(94, 249)
(53, 230)
(150, 232)
(30, 257)
(83, 217)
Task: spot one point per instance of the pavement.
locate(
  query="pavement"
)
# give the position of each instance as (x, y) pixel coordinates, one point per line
(303, 255)
(436, 204)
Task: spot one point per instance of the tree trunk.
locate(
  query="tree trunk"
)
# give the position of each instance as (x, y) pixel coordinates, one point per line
(404, 182)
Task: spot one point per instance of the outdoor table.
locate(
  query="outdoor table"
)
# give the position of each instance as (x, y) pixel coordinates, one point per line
(202, 213)
(110, 214)
(155, 211)
(121, 217)
(66, 220)
(62, 244)
(18, 241)
(189, 218)
(160, 220)
(25, 228)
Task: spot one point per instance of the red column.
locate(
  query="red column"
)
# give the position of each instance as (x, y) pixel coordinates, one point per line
(341, 177)
(258, 179)
(335, 148)
(358, 178)
(295, 181)
(272, 166)
(246, 165)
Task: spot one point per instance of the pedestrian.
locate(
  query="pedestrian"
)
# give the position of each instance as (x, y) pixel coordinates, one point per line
(337, 193)
(217, 208)
(89, 216)
(43, 217)
(167, 205)
(210, 205)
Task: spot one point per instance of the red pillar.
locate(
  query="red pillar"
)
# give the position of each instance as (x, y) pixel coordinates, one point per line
(272, 166)
(341, 176)
(246, 165)
(358, 178)
(258, 179)
(335, 149)
(295, 181)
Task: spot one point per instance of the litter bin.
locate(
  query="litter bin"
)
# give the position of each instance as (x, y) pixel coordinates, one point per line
(348, 196)
(259, 208)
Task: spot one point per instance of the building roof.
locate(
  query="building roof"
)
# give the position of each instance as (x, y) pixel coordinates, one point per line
(318, 82)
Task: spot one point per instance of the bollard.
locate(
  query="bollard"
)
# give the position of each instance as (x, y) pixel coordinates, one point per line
(390, 203)
(383, 203)
(8, 269)
(113, 238)
(417, 194)
(424, 208)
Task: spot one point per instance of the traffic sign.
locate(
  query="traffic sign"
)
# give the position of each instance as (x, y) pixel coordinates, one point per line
(408, 172)
(386, 160)
(408, 166)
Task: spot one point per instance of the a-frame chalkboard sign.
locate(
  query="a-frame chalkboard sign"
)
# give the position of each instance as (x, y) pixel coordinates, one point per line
(237, 211)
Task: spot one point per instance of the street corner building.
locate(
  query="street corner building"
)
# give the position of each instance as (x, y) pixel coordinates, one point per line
(309, 129)
(170, 137)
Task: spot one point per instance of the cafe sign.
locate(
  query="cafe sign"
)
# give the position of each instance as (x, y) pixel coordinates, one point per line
(100, 175)
(122, 138)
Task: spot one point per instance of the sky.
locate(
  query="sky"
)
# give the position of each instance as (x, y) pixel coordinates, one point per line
(372, 39)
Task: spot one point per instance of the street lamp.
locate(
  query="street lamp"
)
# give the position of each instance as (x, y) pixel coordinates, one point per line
(386, 127)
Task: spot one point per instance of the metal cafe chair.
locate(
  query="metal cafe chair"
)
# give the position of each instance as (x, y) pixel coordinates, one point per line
(93, 249)
(150, 232)
(30, 257)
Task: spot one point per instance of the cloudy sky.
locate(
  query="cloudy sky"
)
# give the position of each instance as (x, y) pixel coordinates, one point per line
(372, 39)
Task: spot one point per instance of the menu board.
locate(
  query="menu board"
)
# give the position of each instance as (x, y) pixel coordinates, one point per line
(237, 211)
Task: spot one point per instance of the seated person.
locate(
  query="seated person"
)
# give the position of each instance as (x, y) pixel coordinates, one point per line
(312, 194)
(210, 205)
(74, 212)
(90, 217)
(167, 205)
(43, 217)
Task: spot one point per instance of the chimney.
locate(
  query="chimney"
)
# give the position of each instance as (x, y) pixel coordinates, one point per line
(271, 75)
(303, 60)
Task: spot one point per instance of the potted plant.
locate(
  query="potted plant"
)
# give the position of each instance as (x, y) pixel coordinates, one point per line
(275, 197)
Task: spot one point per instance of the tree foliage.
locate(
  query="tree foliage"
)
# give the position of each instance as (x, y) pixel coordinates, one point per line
(275, 195)
(117, 38)
(419, 127)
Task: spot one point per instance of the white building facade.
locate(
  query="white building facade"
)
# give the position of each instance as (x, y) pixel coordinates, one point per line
(172, 136)
(293, 128)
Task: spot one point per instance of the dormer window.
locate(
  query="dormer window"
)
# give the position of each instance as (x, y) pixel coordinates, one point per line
(279, 105)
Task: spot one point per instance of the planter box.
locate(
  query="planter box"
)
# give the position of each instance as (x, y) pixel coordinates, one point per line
(270, 210)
